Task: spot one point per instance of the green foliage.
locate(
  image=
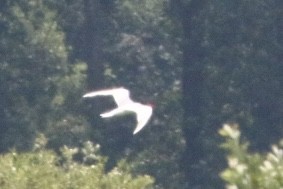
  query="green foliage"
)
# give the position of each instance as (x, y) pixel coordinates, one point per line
(38, 85)
(231, 73)
(145, 13)
(144, 46)
(45, 169)
(231, 53)
(250, 170)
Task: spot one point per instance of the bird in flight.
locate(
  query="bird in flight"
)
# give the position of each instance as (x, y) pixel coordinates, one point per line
(124, 104)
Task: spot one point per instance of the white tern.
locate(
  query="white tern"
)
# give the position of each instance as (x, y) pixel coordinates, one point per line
(124, 104)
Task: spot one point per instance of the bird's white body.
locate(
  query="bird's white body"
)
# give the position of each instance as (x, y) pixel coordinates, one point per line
(125, 104)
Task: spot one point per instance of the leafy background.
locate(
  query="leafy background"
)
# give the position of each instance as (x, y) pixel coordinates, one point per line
(203, 64)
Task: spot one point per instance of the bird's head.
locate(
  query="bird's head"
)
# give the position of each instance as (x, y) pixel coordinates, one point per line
(151, 104)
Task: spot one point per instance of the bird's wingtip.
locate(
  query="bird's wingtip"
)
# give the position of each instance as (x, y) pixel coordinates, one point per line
(138, 129)
(87, 95)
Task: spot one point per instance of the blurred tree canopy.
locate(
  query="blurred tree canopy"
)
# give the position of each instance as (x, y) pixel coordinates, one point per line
(201, 63)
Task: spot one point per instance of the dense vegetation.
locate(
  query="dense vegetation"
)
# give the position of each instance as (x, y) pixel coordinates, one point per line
(204, 64)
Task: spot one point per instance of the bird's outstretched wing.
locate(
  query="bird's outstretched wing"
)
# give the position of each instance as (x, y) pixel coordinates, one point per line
(120, 95)
(144, 113)
(125, 104)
